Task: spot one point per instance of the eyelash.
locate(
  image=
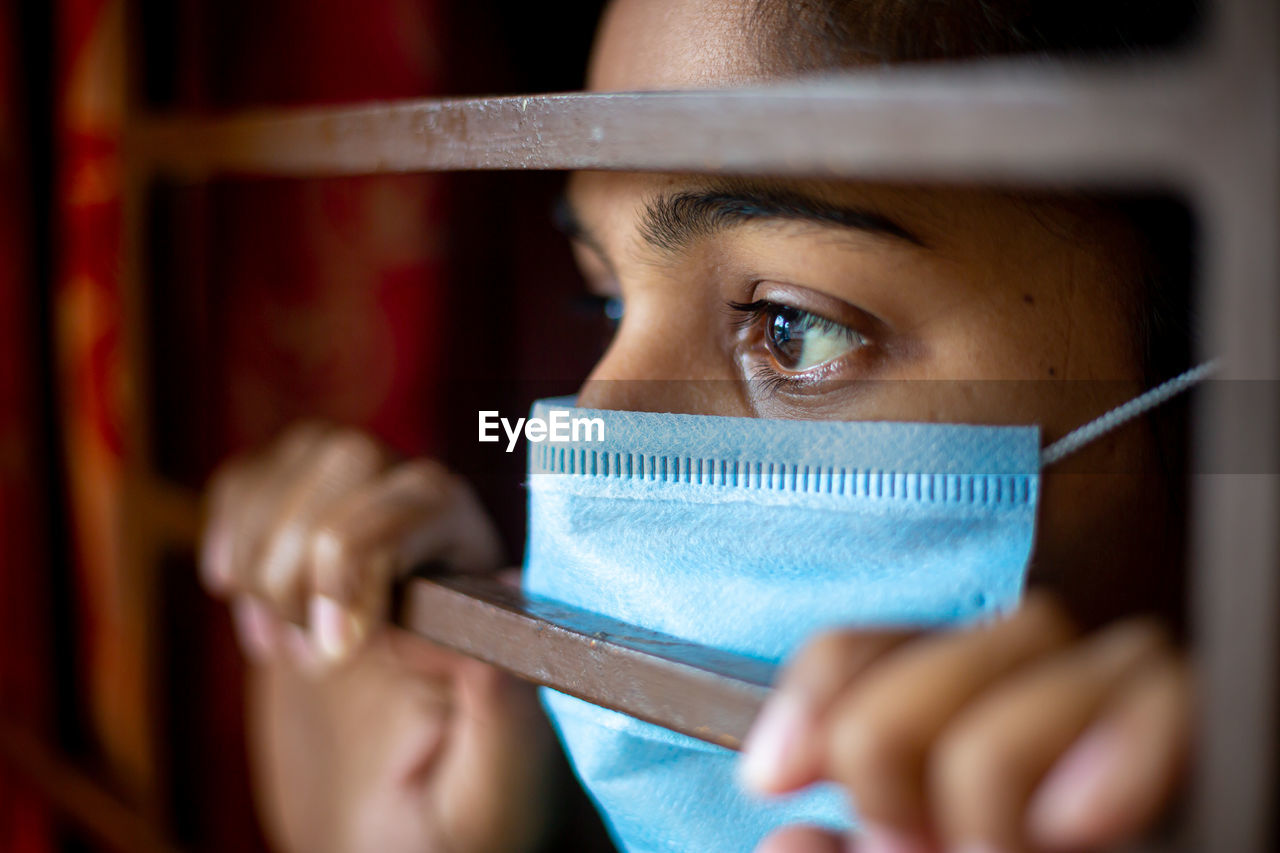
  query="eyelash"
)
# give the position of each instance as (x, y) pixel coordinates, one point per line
(749, 314)
(752, 312)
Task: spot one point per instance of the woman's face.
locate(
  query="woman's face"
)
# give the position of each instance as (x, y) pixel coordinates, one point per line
(857, 301)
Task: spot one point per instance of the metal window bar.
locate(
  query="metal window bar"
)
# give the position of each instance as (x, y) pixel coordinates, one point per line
(1204, 124)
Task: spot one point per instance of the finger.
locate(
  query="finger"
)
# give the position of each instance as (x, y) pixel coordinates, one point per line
(414, 513)
(226, 491)
(342, 463)
(296, 645)
(1117, 776)
(244, 497)
(985, 766)
(801, 839)
(256, 629)
(873, 838)
(266, 640)
(876, 736)
(777, 755)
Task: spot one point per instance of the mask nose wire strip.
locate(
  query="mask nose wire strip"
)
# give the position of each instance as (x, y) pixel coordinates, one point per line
(1122, 414)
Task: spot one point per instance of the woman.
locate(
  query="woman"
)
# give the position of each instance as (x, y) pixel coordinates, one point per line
(1061, 726)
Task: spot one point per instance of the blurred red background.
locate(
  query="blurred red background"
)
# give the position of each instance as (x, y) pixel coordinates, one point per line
(146, 332)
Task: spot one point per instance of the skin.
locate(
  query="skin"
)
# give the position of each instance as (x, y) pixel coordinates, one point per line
(363, 738)
(1062, 726)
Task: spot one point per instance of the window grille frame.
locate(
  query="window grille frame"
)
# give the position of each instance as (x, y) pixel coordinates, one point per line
(1201, 122)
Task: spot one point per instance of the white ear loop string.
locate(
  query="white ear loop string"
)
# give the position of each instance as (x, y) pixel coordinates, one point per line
(1140, 405)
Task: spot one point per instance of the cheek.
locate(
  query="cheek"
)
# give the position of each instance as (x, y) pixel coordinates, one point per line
(667, 356)
(1067, 337)
(1102, 543)
(1030, 301)
(1057, 360)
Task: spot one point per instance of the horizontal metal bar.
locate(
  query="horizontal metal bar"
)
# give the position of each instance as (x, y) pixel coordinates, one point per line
(701, 692)
(1003, 121)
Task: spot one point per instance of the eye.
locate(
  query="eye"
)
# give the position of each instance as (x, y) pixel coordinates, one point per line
(799, 340)
(609, 307)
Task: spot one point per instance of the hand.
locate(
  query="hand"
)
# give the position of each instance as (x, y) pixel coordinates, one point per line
(1014, 736)
(365, 737)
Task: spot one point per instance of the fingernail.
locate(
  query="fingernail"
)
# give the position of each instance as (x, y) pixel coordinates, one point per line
(336, 629)
(253, 626)
(772, 741)
(281, 558)
(215, 560)
(882, 839)
(326, 552)
(1067, 798)
(301, 651)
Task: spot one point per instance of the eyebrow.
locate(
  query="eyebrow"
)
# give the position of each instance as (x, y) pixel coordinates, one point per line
(674, 221)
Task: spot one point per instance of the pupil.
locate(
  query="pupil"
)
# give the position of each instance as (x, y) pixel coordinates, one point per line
(781, 329)
(786, 335)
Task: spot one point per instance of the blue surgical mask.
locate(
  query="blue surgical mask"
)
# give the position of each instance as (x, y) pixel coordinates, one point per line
(750, 535)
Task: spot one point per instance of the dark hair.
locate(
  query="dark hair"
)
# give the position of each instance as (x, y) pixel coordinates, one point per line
(810, 35)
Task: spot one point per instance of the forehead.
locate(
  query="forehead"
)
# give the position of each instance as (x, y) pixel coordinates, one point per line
(675, 44)
(683, 44)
